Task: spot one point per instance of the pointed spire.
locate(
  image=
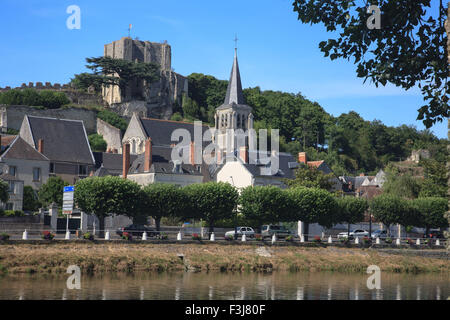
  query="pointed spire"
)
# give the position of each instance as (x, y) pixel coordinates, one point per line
(234, 90)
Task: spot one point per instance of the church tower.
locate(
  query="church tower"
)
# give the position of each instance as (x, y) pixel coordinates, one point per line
(233, 114)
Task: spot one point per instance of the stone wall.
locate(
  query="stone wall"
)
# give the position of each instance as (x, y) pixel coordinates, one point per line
(12, 116)
(111, 135)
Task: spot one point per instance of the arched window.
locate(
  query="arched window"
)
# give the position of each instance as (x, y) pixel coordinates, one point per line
(222, 121)
(243, 118)
(238, 123)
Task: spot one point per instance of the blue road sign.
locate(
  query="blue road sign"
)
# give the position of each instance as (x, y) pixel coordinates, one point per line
(69, 189)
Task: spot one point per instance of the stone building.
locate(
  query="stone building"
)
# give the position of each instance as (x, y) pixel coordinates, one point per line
(64, 142)
(155, 99)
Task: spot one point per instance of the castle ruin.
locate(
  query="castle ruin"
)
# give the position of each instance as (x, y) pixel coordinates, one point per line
(148, 99)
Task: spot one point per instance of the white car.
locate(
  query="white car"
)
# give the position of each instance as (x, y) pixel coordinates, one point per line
(355, 233)
(248, 231)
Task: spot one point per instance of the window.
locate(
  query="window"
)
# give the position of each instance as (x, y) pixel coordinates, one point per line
(11, 186)
(82, 170)
(12, 170)
(52, 167)
(36, 174)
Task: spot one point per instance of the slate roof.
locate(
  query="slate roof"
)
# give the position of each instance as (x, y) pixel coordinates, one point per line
(109, 163)
(161, 163)
(234, 90)
(161, 130)
(64, 140)
(20, 149)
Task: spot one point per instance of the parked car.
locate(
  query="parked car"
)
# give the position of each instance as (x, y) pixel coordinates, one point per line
(436, 234)
(248, 231)
(382, 234)
(137, 230)
(355, 233)
(267, 231)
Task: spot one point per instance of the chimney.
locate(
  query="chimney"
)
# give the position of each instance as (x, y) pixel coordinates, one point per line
(148, 155)
(362, 174)
(125, 160)
(243, 154)
(41, 146)
(302, 157)
(192, 153)
(91, 174)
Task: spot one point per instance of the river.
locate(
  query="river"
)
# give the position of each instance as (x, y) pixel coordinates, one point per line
(250, 286)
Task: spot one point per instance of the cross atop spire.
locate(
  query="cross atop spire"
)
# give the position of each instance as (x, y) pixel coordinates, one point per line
(234, 90)
(235, 42)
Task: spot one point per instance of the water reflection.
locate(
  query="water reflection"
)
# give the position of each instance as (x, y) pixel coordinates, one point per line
(203, 286)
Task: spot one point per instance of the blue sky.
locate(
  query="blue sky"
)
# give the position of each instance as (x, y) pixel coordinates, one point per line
(275, 50)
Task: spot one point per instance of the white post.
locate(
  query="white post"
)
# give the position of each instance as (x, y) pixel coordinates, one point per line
(179, 236)
(94, 228)
(244, 238)
(53, 211)
(84, 221)
(67, 235)
(274, 238)
(144, 236)
(302, 238)
(107, 236)
(357, 240)
(399, 231)
(438, 243)
(377, 241)
(25, 235)
(300, 228)
(213, 237)
(397, 242)
(418, 241)
(330, 240)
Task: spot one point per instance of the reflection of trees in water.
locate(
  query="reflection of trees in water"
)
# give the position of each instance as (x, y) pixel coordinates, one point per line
(204, 286)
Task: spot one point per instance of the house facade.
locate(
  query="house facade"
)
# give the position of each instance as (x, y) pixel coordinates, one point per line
(65, 144)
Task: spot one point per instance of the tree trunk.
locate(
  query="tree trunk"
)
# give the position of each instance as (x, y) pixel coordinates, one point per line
(158, 223)
(306, 231)
(101, 222)
(348, 230)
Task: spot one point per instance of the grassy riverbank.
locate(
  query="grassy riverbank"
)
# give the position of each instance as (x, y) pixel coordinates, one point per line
(134, 257)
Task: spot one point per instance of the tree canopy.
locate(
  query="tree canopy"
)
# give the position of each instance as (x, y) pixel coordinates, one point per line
(408, 50)
(52, 191)
(120, 72)
(4, 191)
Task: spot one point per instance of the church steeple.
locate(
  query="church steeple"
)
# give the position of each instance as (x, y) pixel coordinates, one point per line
(234, 90)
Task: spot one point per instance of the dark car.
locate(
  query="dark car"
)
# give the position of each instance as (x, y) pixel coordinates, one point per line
(137, 230)
(436, 234)
(267, 231)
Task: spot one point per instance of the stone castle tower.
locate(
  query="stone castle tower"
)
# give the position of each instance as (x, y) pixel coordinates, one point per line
(154, 99)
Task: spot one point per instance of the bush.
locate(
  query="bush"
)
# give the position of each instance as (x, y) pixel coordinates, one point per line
(47, 235)
(366, 240)
(127, 236)
(88, 236)
(163, 236)
(13, 213)
(97, 143)
(31, 97)
(229, 237)
(196, 236)
(113, 119)
(289, 238)
(4, 236)
(388, 240)
(317, 239)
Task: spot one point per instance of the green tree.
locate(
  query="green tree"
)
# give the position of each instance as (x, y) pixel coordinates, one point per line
(401, 185)
(312, 205)
(163, 200)
(97, 143)
(435, 182)
(351, 210)
(52, 191)
(310, 177)
(212, 201)
(120, 72)
(52, 99)
(432, 211)
(408, 49)
(113, 119)
(108, 195)
(4, 191)
(264, 204)
(30, 199)
(389, 209)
